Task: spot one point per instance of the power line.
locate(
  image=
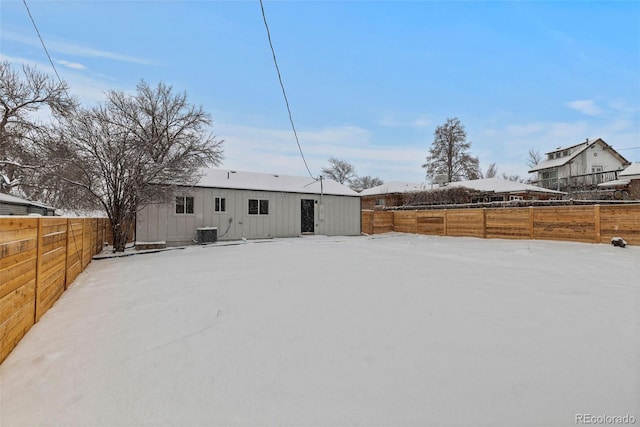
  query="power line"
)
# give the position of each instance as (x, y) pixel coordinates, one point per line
(628, 148)
(42, 41)
(284, 93)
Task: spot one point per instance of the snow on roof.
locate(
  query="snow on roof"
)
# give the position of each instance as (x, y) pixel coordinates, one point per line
(569, 147)
(615, 183)
(393, 187)
(223, 178)
(500, 185)
(547, 164)
(13, 200)
(632, 170)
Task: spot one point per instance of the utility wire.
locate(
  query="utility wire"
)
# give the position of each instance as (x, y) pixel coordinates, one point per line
(42, 41)
(275, 61)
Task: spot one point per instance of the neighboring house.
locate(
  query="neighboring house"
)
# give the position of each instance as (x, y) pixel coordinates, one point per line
(389, 194)
(480, 190)
(627, 186)
(502, 190)
(252, 205)
(579, 166)
(12, 205)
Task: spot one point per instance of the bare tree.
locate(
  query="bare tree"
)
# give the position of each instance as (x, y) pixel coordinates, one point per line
(449, 155)
(360, 183)
(339, 170)
(533, 158)
(22, 95)
(133, 150)
(492, 171)
(440, 196)
(514, 177)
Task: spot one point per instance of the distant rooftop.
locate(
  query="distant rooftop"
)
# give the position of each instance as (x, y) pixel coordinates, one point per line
(587, 141)
(393, 187)
(7, 198)
(497, 185)
(631, 170)
(500, 185)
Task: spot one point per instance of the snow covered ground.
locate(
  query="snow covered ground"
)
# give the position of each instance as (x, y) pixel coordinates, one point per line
(383, 330)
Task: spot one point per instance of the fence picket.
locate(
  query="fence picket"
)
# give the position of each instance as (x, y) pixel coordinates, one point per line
(597, 223)
(39, 258)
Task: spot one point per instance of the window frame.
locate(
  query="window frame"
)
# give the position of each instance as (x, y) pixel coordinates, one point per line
(185, 205)
(261, 207)
(220, 204)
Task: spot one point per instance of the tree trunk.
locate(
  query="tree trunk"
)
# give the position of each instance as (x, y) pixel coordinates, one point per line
(120, 233)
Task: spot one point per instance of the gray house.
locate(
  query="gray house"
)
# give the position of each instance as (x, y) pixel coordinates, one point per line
(12, 205)
(251, 205)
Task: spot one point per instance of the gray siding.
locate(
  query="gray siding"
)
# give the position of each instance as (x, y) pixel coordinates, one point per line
(334, 215)
(10, 209)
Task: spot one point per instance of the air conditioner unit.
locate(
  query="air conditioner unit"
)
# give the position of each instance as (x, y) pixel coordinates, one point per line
(207, 235)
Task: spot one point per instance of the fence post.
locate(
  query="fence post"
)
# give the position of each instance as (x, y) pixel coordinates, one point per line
(84, 226)
(484, 223)
(66, 254)
(531, 212)
(445, 223)
(38, 271)
(596, 215)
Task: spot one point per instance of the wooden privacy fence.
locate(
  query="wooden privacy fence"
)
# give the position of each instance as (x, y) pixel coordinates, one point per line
(39, 259)
(592, 224)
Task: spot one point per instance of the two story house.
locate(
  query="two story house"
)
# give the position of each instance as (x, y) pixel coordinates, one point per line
(583, 165)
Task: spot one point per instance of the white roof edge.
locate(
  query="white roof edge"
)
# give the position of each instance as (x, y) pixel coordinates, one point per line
(615, 183)
(588, 142)
(259, 181)
(500, 185)
(394, 187)
(8, 198)
(631, 170)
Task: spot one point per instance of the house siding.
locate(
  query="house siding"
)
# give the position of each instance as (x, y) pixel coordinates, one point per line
(10, 209)
(334, 215)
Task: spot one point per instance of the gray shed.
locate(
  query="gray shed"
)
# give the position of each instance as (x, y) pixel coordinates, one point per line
(253, 206)
(12, 205)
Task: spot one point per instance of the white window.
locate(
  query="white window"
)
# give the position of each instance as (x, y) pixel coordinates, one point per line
(379, 202)
(220, 204)
(596, 169)
(515, 198)
(258, 207)
(184, 205)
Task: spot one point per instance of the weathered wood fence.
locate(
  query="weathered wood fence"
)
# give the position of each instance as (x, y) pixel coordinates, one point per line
(592, 224)
(39, 259)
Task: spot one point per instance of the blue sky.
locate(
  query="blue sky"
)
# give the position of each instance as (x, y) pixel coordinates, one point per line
(367, 81)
